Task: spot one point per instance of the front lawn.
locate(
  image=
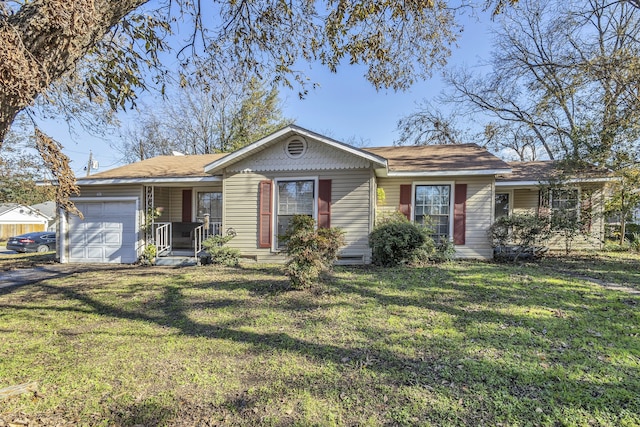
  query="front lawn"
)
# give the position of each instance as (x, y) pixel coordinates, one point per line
(466, 343)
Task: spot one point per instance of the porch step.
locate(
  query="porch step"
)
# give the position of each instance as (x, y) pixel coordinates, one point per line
(176, 261)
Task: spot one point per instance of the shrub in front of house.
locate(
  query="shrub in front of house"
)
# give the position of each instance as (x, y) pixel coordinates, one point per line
(311, 250)
(519, 235)
(396, 241)
(218, 253)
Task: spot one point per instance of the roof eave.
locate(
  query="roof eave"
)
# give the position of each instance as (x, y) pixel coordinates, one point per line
(168, 180)
(462, 172)
(568, 181)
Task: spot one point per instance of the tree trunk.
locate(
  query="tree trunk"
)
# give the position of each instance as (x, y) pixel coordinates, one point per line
(44, 40)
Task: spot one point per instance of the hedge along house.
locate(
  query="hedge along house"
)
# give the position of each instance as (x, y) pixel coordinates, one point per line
(542, 188)
(176, 201)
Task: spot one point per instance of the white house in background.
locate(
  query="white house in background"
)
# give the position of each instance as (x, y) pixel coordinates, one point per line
(16, 219)
(176, 200)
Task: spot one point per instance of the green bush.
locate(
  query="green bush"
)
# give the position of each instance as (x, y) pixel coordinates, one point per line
(615, 246)
(396, 242)
(444, 251)
(219, 253)
(523, 232)
(310, 250)
(383, 218)
(149, 255)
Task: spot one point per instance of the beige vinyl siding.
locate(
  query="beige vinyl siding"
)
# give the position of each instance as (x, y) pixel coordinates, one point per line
(351, 193)
(133, 190)
(350, 209)
(175, 204)
(174, 200)
(161, 199)
(479, 210)
(526, 201)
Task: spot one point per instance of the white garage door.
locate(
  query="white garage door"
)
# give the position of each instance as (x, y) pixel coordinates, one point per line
(106, 234)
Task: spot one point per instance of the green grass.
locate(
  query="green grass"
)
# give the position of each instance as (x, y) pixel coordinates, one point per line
(465, 343)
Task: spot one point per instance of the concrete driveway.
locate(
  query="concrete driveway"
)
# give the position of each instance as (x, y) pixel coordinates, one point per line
(24, 276)
(4, 251)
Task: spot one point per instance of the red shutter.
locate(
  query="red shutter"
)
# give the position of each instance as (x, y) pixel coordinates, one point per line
(324, 203)
(586, 213)
(187, 206)
(544, 209)
(459, 214)
(405, 200)
(264, 220)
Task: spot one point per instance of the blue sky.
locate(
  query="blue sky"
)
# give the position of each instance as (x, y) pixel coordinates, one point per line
(344, 107)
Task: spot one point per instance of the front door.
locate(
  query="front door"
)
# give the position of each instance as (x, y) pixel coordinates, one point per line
(186, 206)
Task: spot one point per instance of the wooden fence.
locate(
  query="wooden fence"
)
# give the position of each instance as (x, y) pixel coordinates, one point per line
(9, 230)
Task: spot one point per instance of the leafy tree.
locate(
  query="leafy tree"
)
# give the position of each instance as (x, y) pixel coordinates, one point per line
(258, 115)
(429, 125)
(563, 74)
(147, 138)
(625, 196)
(202, 120)
(20, 168)
(43, 40)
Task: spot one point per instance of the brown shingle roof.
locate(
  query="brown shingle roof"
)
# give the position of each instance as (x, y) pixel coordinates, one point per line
(544, 170)
(433, 158)
(427, 158)
(162, 167)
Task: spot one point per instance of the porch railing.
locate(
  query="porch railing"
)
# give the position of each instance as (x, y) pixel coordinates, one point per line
(199, 235)
(201, 232)
(162, 234)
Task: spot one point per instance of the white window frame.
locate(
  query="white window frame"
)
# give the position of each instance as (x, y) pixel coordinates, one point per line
(578, 199)
(511, 200)
(275, 204)
(452, 189)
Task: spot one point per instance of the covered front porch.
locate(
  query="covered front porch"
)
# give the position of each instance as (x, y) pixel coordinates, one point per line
(178, 218)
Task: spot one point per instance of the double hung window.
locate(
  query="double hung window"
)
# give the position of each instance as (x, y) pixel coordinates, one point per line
(433, 208)
(293, 198)
(564, 203)
(502, 205)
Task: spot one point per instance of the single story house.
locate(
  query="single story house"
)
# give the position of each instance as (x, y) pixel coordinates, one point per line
(175, 201)
(17, 219)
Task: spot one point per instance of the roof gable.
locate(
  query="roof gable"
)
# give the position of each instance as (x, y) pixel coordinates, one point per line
(18, 211)
(6, 207)
(340, 156)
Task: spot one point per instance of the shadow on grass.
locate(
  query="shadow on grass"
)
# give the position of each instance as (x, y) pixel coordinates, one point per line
(145, 413)
(452, 365)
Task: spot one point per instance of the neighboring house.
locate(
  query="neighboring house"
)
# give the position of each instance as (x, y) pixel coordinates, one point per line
(48, 209)
(16, 219)
(254, 191)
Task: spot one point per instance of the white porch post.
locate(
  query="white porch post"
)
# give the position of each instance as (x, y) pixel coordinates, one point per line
(149, 217)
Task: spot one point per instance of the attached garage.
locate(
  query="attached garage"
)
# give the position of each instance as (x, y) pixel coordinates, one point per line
(107, 234)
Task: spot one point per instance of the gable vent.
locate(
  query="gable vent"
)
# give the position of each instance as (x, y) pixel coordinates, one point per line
(295, 148)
